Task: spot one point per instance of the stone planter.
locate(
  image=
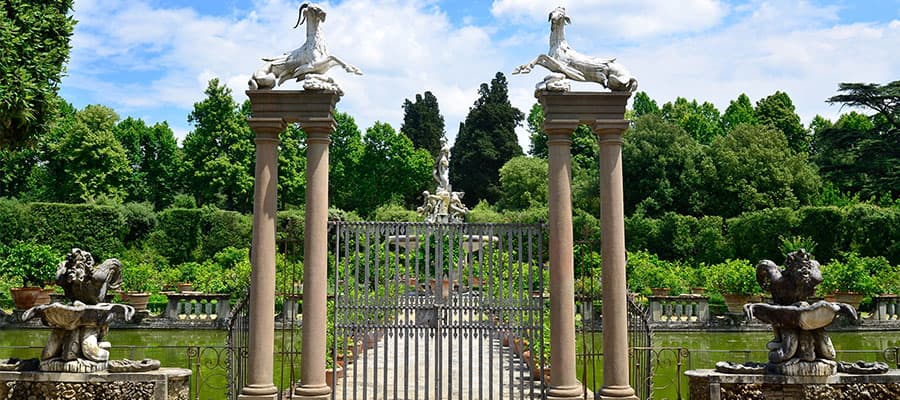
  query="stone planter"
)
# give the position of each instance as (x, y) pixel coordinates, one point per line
(735, 302)
(698, 290)
(659, 291)
(138, 300)
(185, 287)
(25, 298)
(851, 298)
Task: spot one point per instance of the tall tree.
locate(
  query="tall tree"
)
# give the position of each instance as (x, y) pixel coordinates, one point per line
(701, 121)
(486, 141)
(391, 169)
(34, 46)
(644, 105)
(585, 149)
(755, 169)
(155, 161)
(739, 111)
(423, 123)
(883, 99)
(778, 110)
(346, 151)
(524, 183)
(219, 153)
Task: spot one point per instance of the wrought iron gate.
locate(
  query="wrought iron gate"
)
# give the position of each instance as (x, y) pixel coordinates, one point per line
(437, 311)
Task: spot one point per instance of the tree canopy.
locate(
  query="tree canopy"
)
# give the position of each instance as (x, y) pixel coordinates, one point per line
(486, 140)
(34, 47)
(423, 123)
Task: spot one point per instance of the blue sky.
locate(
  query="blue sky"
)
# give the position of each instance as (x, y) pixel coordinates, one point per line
(152, 59)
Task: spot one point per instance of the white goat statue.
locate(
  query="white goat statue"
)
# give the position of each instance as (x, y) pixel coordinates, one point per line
(564, 62)
(307, 63)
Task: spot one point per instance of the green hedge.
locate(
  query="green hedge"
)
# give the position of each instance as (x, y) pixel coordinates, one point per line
(196, 234)
(98, 229)
(12, 220)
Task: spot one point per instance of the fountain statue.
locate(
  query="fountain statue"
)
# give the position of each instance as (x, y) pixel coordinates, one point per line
(76, 340)
(444, 205)
(801, 347)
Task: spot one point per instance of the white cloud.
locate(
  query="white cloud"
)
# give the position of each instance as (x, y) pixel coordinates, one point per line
(617, 18)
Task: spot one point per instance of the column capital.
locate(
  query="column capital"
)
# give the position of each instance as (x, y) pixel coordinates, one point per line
(267, 126)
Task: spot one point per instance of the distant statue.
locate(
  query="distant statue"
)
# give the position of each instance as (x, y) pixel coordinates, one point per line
(444, 205)
(566, 63)
(307, 64)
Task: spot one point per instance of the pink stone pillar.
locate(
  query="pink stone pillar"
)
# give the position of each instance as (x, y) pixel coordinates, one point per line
(564, 384)
(315, 275)
(612, 234)
(262, 279)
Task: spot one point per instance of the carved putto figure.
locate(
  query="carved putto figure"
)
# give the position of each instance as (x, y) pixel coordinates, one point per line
(444, 205)
(307, 64)
(800, 346)
(566, 63)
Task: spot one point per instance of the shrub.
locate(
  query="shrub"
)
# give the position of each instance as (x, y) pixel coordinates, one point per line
(12, 220)
(646, 271)
(853, 274)
(395, 213)
(141, 220)
(223, 229)
(733, 277)
(177, 234)
(33, 264)
(819, 224)
(95, 228)
(484, 212)
(874, 231)
(754, 235)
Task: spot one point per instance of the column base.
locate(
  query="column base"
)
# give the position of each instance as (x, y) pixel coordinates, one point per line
(565, 392)
(258, 392)
(617, 392)
(313, 392)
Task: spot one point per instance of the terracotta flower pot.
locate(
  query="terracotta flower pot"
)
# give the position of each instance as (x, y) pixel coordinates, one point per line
(851, 298)
(25, 298)
(659, 291)
(332, 374)
(139, 300)
(185, 287)
(735, 302)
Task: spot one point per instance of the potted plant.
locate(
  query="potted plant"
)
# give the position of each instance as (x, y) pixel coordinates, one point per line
(851, 280)
(137, 282)
(736, 281)
(34, 265)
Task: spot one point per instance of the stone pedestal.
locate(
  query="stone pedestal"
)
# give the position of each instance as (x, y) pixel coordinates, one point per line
(604, 113)
(706, 384)
(163, 384)
(271, 110)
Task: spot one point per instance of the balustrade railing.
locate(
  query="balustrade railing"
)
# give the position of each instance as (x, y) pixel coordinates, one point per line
(682, 309)
(197, 307)
(887, 308)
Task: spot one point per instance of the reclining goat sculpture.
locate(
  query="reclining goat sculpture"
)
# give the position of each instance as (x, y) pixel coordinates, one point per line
(307, 63)
(564, 62)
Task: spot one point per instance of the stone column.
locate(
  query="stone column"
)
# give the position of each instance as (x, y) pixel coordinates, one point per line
(562, 268)
(262, 279)
(314, 111)
(315, 275)
(612, 233)
(605, 113)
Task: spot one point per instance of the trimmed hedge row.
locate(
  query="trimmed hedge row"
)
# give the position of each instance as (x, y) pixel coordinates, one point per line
(869, 230)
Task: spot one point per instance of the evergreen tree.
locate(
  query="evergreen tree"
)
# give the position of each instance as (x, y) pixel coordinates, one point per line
(777, 110)
(34, 46)
(486, 141)
(883, 99)
(423, 123)
(739, 111)
(219, 152)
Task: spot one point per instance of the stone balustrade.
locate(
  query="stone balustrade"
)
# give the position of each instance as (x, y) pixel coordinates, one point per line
(684, 308)
(197, 306)
(887, 308)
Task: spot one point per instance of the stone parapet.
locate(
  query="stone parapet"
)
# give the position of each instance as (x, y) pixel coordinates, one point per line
(707, 384)
(163, 384)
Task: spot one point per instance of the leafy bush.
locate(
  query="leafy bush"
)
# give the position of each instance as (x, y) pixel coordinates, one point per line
(33, 264)
(874, 231)
(141, 220)
(141, 270)
(12, 220)
(853, 273)
(484, 212)
(818, 224)
(222, 229)
(395, 213)
(733, 277)
(95, 228)
(177, 234)
(754, 235)
(646, 271)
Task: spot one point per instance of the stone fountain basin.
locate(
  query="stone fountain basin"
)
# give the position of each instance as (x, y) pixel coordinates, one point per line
(78, 314)
(801, 315)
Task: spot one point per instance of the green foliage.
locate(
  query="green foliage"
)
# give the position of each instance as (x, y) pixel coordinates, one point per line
(219, 152)
(755, 235)
(292, 166)
(679, 237)
(344, 157)
(777, 110)
(733, 277)
(665, 169)
(392, 169)
(395, 213)
(144, 270)
(484, 212)
(739, 111)
(197, 234)
(701, 121)
(141, 220)
(523, 183)
(226, 272)
(874, 231)
(30, 263)
(790, 244)
(760, 171)
(486, 141)
(34, 46)
(646, 271)
(644, 105)
(423, 123)
(13, 220)
(154, 158)
(884, 99)
(818, 225)
(97, 229)
(853, 273)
